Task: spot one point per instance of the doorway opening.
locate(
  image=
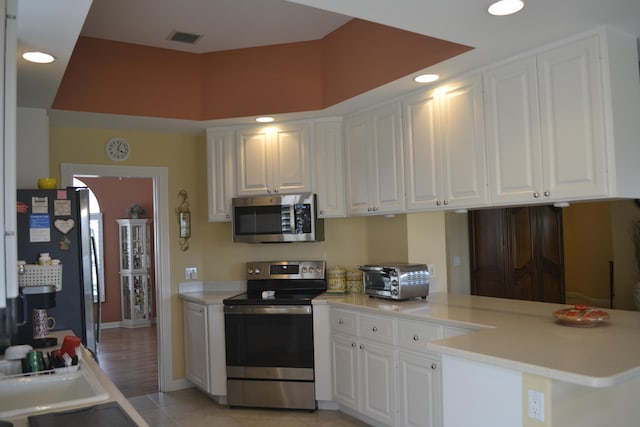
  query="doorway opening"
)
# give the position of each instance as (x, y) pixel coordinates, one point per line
(162, 295)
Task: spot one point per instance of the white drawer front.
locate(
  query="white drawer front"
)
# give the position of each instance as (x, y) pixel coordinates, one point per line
(378, 328)
(415, 335)
(344, 321)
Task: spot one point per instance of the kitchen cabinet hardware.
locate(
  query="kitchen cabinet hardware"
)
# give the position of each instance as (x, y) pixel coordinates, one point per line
(353, 344)
(374, 329)
(547, 194)
(536, 195)
(341, 321)
(446, 202)
(434, 366)
(438, 203)
(416, 338)
(361, 346)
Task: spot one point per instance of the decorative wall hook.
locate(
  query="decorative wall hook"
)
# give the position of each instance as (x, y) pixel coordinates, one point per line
(184, 220)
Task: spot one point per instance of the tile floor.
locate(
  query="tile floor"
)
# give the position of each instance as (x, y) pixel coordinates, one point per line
(192, 408)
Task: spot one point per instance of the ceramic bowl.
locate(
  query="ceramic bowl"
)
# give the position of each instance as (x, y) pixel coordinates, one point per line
(47, 183)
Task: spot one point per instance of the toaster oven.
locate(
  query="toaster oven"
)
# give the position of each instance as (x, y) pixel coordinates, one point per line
(396, 281)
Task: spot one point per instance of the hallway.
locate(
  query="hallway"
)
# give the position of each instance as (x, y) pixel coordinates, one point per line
(129, 357)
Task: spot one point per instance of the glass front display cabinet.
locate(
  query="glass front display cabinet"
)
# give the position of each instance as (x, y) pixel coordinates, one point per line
(134, 272)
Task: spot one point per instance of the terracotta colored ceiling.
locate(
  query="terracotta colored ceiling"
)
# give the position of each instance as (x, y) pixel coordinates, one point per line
(120, 78)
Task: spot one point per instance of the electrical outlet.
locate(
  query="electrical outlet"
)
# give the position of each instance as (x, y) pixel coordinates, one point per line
(536, 405)
(191, 273)
(432, 270)
(536, 401)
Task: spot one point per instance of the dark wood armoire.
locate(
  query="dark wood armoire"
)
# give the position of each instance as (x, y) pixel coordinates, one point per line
(517, 253)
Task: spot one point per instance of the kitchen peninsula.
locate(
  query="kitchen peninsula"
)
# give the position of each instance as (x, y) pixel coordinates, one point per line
(511, 346)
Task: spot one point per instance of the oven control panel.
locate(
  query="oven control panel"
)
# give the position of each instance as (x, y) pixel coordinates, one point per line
(287, 270)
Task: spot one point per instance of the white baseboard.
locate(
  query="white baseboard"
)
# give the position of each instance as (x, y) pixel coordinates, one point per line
(109, 325)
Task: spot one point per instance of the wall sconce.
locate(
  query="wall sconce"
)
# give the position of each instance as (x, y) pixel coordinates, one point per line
(184, 220)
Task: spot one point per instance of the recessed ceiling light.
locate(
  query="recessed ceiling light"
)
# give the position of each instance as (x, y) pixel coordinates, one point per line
(38, 57)
(426, 78)
(505, 7)
(264, 119)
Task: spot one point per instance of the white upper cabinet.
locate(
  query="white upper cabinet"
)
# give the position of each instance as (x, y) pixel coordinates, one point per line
(273, 159)
(219, 173)
(374, 163)
(328, 157)
(445, 148)
(558, 124)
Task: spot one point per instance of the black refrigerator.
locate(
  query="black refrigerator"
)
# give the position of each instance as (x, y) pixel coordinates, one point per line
(57, 222)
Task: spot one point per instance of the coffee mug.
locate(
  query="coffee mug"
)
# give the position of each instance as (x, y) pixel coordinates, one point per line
(42, 323)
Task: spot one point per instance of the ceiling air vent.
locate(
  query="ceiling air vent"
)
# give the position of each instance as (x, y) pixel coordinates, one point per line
(182, 37)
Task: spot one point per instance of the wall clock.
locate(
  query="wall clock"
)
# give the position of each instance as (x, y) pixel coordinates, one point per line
(117, 149)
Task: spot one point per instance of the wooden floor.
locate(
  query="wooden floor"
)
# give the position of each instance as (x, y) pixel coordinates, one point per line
(129, 357)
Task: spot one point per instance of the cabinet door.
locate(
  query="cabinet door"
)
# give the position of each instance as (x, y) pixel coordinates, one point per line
(386, 172)
(420, 390)
(290, 166)
(572, 121)
(345, 370)
(422, 167)
(196, 344)
(329, 168)
(378, 382)
(357, 137)
(513, 132)
(219, 173)
(462, 143)
(252, 162)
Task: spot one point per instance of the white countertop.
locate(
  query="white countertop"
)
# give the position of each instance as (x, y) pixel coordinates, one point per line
(207, 297)
(522, 335)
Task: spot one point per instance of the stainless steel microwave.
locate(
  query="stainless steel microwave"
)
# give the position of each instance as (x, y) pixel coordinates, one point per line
(276, 218)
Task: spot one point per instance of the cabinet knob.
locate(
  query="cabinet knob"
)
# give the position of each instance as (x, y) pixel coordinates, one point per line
(269, 190)
(368, 209)
(434, 366)
(446, 202)
(353, 344)
(416, 338)
(201, 310)
(321, 212)
(374, 329)
(546, 194)
(536, 195)
(341, 321)
(375, 209)
(361, 346)
(275, 190)
(227, 216)
(438, 202)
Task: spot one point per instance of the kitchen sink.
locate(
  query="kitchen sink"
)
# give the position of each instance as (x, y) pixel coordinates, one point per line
(20, 395)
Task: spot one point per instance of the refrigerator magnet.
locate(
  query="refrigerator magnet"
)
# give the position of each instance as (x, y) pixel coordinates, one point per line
(64, 225)
(62, 207)
(64, 244)
(40, 205)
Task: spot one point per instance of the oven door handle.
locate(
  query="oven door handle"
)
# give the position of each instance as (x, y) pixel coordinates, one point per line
(268, 309)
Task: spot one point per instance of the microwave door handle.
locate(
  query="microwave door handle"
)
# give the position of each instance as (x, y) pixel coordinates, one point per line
(292, 219)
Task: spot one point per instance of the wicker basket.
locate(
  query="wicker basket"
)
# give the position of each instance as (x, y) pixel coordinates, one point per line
(41, 275)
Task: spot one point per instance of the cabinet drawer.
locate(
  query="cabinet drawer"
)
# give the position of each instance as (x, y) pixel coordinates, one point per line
(378, 328)
(344, 321)
(415, 335)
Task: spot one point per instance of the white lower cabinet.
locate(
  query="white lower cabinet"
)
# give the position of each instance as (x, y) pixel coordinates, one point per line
(382, 370)
(204, 348)
(364, 377)
(419, 382)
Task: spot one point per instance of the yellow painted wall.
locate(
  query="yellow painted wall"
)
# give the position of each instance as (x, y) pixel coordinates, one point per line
(348, 241)
(626, 273)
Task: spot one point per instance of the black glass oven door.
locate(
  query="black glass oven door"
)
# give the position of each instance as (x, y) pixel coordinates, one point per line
(264, 336)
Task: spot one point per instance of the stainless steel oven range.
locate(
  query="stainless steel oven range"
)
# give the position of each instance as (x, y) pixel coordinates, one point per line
(269, 336)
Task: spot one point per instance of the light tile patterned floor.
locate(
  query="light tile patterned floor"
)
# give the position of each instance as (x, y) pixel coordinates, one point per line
(192, 408)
